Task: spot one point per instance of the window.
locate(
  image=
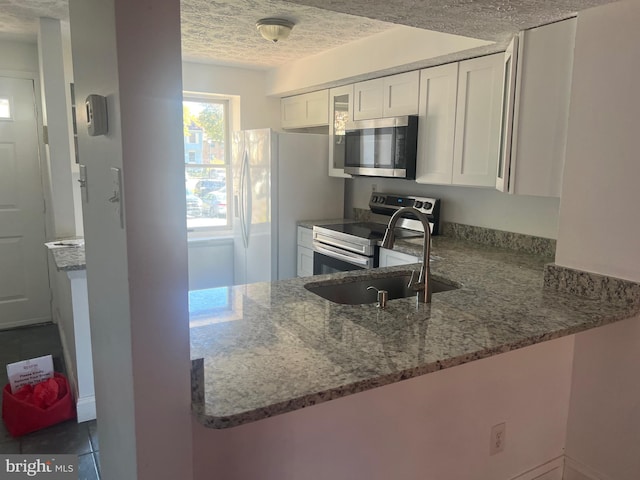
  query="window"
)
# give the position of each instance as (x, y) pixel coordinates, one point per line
(207, 166)
(5, 109)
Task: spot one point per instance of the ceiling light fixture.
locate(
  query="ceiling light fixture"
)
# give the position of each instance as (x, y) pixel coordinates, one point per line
(274, 29)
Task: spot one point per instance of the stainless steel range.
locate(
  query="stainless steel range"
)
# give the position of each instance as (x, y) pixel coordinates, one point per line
(353, 246)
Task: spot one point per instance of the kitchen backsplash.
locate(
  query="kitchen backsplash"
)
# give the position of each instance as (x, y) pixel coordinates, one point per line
(591, 285)
(545, 247)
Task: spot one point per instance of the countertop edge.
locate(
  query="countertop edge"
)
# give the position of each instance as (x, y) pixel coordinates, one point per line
(229, 421)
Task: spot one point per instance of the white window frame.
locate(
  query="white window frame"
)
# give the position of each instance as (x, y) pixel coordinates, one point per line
(217, 230)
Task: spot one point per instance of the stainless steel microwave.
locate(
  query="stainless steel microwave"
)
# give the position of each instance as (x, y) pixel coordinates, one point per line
(382, 147)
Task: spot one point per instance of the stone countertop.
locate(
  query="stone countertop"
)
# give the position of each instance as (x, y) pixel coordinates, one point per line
(269, 348)
(68, 255)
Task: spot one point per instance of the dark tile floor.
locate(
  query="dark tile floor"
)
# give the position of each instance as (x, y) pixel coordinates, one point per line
(65, 438)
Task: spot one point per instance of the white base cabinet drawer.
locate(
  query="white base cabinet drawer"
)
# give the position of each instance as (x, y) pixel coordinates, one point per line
(391, 258)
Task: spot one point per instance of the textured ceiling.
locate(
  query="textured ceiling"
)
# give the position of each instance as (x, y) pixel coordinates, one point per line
(495, 20)
(223, 31)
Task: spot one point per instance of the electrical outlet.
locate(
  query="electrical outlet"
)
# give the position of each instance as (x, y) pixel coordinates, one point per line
(374, 188)
(498, 438)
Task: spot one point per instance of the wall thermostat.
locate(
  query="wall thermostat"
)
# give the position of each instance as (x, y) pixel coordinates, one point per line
(96, 106)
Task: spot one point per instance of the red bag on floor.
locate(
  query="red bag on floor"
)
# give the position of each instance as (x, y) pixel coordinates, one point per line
(31, 409)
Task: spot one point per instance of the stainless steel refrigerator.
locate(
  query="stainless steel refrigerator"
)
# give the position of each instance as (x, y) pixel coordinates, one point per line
(278, 179)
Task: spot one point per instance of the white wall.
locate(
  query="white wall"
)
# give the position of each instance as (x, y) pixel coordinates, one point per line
(482, 207)
(603, 431)
(137, 276)
(599, 219)
(379, 53)
(18, 56)
(210, 263)
(256, 109)
(436, 426)
(56, 115)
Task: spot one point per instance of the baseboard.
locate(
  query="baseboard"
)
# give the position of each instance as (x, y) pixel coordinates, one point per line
(552, 470)
(86, 409)
(575, 470)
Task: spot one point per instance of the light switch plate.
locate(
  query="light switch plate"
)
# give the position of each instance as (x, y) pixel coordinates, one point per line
(116, 197)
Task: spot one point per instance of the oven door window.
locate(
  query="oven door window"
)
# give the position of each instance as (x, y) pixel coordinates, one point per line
(324, 264)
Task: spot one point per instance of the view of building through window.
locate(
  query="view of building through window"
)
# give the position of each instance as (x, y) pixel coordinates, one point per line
(206, 163)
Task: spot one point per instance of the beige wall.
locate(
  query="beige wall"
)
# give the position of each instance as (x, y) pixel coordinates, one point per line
(599, 219)
(255, 108)
(482, 207)
(18, 56)
(603, 431)
(137, 276)
(435, 426)
(379, 55)
(599, 232)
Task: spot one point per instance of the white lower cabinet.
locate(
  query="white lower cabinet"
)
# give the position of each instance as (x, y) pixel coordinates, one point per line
(305, 252)
(391, 258)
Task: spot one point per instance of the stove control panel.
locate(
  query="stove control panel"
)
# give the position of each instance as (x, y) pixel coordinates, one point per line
(388, 203)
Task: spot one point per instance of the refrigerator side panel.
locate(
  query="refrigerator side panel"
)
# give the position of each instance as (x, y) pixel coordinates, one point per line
(258, 218)
(305, 192)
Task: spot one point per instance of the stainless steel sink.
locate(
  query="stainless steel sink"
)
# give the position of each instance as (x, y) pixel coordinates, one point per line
(353, 291)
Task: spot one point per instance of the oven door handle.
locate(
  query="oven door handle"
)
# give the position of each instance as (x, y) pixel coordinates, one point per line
(355, 259)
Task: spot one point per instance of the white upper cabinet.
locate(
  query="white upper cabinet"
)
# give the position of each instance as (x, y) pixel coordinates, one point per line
(307, 110)
(340, 112)
(540, 111)
(478, 121)
(369, 98)
(506, 129)
(391, 96)
(436, 124)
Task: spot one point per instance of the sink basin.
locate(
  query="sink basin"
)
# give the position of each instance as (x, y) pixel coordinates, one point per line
(353, 291)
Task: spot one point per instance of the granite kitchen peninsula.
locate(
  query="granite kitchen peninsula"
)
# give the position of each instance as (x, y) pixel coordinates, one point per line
(277, 347)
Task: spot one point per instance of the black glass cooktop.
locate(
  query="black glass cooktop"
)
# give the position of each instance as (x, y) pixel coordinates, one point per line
(370, 230)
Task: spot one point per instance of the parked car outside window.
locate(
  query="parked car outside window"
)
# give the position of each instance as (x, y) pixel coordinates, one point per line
(194, 206)
(215, 203)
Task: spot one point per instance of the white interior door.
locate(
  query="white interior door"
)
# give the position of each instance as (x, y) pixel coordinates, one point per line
(24, 279)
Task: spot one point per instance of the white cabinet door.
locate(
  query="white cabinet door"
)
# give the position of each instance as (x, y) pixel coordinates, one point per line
(368, 99)
(305, 253)
(340, 112)
(436, 124)
(506, 129)
(541, 114)
(478, 115)
(305, 237)
(307, 110)
(391, 258)
(391, 96)
(305, 262)
(401, 94)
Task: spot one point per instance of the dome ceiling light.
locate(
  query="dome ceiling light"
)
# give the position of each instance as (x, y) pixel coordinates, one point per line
(274, 29)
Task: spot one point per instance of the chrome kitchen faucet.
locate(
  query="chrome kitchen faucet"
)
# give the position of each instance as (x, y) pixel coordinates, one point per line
(423, 284)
